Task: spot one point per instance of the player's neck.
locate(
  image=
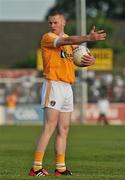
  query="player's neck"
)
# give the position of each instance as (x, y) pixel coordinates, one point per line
(61, 34)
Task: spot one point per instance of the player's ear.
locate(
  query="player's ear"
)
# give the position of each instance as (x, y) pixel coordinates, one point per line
(64, 22)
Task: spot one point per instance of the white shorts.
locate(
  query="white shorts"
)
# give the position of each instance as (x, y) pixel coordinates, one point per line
(57, 95)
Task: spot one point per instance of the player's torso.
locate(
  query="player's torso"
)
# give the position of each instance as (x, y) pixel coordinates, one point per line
(58, 62)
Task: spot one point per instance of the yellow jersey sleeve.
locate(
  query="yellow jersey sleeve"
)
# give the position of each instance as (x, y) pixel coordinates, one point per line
(49, 39)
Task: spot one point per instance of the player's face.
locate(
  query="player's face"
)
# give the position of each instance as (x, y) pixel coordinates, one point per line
(57, 24)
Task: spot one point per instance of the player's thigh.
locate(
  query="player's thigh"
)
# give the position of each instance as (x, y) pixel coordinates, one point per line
(51, 116)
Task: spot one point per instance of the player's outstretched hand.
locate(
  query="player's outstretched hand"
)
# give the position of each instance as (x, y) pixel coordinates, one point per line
(95, 35)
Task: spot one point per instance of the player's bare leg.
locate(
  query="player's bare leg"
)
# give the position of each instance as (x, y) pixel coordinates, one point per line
(60, 143)
(50, 123)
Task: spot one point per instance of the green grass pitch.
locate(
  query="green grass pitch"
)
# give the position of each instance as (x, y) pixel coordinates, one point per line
(93, 152)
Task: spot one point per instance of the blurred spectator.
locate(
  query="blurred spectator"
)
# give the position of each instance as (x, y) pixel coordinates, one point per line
(2, 93)
(28, 87)
(103, 107)
(11, 102)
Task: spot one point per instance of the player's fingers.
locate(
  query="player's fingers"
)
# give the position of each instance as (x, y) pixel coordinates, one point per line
(100, 31)
(87, 63)
(89, 53)
(93, 29)
(88, 58)
(100, 36)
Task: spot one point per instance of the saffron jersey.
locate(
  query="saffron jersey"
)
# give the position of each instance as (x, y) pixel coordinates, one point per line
(57, 61)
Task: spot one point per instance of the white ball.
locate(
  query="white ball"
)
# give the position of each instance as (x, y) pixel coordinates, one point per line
(78, 53)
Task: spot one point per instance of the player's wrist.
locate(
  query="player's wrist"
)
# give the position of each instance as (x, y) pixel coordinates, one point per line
(88, 38)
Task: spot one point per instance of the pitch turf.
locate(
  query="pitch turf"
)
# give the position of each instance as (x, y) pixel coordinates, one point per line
(93, 152)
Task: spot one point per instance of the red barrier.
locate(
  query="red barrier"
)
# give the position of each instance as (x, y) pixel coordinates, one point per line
(116, 114)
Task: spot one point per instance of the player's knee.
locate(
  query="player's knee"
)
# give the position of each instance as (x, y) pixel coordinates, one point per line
(64, 130)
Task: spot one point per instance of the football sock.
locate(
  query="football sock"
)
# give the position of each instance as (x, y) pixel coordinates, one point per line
(37, 164)
(60, 162)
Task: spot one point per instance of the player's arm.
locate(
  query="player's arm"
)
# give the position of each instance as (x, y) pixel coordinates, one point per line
(92, 36)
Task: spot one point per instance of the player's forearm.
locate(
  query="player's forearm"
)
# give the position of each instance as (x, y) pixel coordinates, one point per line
(76, 39)
(93, 36)
(73, 40)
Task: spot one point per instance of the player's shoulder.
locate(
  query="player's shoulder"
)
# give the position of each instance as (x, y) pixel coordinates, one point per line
(52, 35)
(65, 35)
(49, 35)
(48, 39)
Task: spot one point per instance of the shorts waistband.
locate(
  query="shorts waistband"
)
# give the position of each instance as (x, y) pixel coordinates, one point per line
(58, 82)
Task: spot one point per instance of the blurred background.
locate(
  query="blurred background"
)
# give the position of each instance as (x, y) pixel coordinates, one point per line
(22, 24)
